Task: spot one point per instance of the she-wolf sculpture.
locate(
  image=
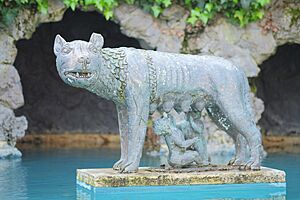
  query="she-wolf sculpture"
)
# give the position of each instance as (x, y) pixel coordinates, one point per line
(135, 80)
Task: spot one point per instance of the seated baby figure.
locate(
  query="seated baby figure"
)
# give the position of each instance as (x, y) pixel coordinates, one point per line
(179, 155)
(192, 127)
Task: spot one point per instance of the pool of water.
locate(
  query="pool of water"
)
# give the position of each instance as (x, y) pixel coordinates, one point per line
(50, 174)
(258, 191)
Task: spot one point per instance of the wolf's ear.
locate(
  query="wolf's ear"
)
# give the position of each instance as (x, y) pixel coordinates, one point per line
(58, 44)
(97, 40)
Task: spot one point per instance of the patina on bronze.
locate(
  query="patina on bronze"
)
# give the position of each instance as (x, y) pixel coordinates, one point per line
(137, 80)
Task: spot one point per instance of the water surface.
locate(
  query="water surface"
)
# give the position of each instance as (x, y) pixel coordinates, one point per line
(51, 174)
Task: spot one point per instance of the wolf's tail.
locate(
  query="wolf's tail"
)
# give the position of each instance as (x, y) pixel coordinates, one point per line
(247, 98)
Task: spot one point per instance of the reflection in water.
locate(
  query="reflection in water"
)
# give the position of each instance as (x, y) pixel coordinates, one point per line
(12, 179)
(83, 192)
(221, 192)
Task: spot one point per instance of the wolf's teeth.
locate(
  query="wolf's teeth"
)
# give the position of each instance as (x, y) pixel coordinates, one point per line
(80, 74)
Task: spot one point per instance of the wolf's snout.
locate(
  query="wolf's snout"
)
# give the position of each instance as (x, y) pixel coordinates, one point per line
(85, 61)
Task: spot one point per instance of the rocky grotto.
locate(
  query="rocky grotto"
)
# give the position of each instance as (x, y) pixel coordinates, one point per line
(28, 77)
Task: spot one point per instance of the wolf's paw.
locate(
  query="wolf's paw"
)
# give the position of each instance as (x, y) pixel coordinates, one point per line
(252, 165)
(118, 164)
(231, 161)
(205, 163)
(237, 161)
(129, 168)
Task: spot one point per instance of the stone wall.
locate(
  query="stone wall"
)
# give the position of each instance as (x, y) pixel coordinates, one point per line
(246, 47)
(11, 95)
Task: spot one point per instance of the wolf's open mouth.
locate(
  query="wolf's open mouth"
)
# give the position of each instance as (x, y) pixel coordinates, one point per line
(79, 74)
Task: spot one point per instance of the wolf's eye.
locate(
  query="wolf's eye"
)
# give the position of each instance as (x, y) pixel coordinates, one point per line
(66, 50)
(93, 49)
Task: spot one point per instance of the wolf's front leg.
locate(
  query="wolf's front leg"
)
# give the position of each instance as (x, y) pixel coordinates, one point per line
(138, 114)
(123, 129)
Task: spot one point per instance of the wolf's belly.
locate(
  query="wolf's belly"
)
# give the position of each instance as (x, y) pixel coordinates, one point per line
(176, 99)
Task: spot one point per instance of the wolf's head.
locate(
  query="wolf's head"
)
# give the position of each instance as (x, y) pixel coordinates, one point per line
(78, 61)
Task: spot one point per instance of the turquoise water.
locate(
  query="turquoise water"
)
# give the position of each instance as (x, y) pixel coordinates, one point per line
(50, 174)
(220, 192)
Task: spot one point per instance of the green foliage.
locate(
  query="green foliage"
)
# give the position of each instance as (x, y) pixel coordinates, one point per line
(238, 11)
(295, 13)
(253, 85)
(104, 6)
(9, 8)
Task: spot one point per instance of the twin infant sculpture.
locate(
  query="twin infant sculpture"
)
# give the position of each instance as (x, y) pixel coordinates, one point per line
(141, 82)
(185, 141)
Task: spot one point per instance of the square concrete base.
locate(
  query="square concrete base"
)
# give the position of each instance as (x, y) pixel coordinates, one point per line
(108, 177)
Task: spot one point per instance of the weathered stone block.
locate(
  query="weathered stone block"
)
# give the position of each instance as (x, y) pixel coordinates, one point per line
(11, 128)
(10, 87)
(165, 34)
(246, 47)
(108, 177)
(8, 51)
(27, 21)
(284, 17)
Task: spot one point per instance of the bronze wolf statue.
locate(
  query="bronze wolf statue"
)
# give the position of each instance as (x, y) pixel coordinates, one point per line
(135, 80)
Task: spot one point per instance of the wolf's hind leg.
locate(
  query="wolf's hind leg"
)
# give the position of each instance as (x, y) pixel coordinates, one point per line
(240, 151)
(253, 137)
(243, 125)
(223, 122)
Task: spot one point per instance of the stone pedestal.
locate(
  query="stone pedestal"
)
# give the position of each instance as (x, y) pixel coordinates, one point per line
(154, 183)
(107, 177)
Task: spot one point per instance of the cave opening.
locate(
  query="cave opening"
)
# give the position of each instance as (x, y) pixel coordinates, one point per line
(52, 106)
(278, 85)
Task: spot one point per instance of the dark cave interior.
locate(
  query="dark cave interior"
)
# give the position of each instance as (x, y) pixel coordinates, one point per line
(278, 85)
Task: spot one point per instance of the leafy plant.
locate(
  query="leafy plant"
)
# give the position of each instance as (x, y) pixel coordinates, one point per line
(9, 8)
(295, 13)
(238, 11)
